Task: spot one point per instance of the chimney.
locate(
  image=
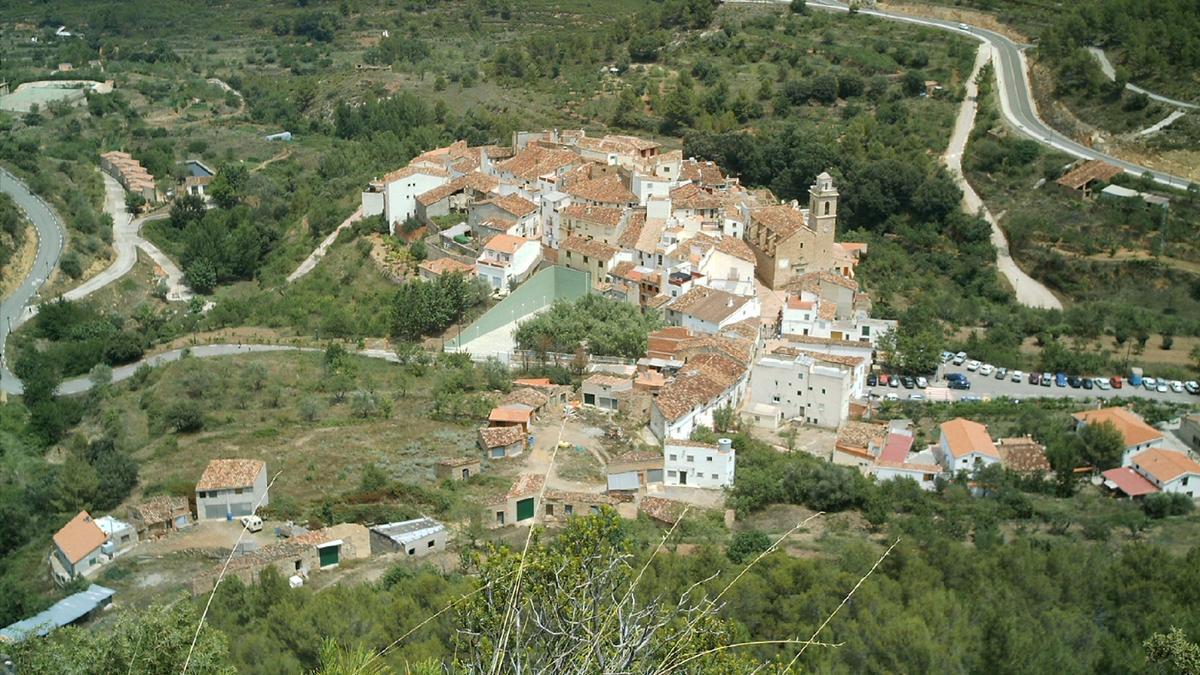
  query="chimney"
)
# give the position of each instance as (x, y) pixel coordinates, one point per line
(729, 303)
(725, 445)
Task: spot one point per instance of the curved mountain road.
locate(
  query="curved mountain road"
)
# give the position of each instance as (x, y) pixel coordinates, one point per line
(1111, 73)
(51, 239)
(1016, 98)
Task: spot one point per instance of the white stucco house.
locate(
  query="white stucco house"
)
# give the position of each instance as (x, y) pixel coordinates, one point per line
(965, 446)
(1138, 435)
(809, 386)
(695, 464)
(507, 259)
(399, 190)
(1169, 471)
(708, 310)
(704, 384)
(230, 488)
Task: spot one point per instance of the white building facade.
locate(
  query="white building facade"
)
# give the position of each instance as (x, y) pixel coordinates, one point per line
(693, 464)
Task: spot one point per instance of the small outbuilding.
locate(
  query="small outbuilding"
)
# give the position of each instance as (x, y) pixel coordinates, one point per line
(121, 536)
(458, 468)
(518, 506)
(646, 467)
(417, 537)
(71, 609)
(160, 515)
(501, 442)
(605, 391)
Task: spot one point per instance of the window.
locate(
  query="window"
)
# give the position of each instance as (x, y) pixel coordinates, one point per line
(550, 509)
(715, 477)
(499, 517)
(1185, 480)
(674, 457)
(708, 458)
(594, 509)
(238, 491)
(691, 458)
(585, 260)
(430, 544)
(569, 510)
(775, 398)
(412, 551)
(670, 474)
(826, 208)
(203, 495)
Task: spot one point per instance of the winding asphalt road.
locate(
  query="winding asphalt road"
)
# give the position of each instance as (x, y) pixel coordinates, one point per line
(1111, 74)
(1016, 99)
(50, 234)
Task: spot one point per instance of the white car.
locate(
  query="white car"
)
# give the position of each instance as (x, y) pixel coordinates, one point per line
(916, 397)
(1177, 386)
(251, 523)
(986, 369)
(963, 26)
(1103, 384)
(972, 365)
(959, 358)
(922, 382)
(1149, 383)
(1018, 376)
(892, 397)
(1161, 388)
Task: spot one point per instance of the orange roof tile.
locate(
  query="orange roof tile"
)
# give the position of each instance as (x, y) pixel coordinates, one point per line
(608, 189)
(79, 537)
(1166, 465)
(505, 243)
(601, 215)
(589, 247)
(499, 437)
(1087, 172)
(510, 413)
(964, 437)
(781, 219)
(1130, 424)
(230, 473)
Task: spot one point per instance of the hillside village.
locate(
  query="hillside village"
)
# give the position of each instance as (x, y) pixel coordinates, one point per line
(765, 329)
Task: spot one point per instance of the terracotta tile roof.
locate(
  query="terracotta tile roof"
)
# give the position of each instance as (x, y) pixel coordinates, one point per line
(454, 462)
(813, 280)
(442, 266)
(795, 302)
(497, 223)
(636, 456)
(1023, 455)
(1166, 465)
(736, 248)
(1087, 172)
(625, 270)
(1128, 481)
(827, 311)
(708, 304)
(749, 329)
(860, 435)
(475, 180)
(964, 437)
(534, 161)
(529, 397)
(230, 473)
(527, 484)
(737, 348)
(505, 243)
(781, 219)
(589, 247)
(513, 412)
(607, 216)
(704, 173)
(836, 359)
(633, 230)
(693, 197)
(608, 189)
(607, 381)
(635, 142)
(699, 382)
(159, 509)
(908, 466)
(896, 446)
(500, 437)
(658, 301)
(79, 537)
(584, 497)
(533, 382)
(663, 510)
(512, 203)
(405, 172)
(1130, 424)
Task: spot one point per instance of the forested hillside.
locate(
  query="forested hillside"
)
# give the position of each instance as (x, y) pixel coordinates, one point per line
(13, 228)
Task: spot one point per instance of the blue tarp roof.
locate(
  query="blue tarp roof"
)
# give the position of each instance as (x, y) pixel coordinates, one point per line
(62, 613)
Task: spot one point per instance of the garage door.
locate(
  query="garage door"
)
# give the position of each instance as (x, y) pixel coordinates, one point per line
(214, 511)
(525, 509)
(241, 509)
(654, 476)
(329, 555)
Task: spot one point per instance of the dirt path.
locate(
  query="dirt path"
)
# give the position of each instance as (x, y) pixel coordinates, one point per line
(1028, 291)
(319, 252)
(267, 162)
(1125, 255)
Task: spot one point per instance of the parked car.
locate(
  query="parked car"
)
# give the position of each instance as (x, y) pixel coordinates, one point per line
(892, 397)
(1116, 382)
(1047, 379)
(959, 383)
(1192, 387)
(883, 380)
(922, 382)
(986, 369)
(1017, 376)
(959, 358)
(916, 397)
(1035, 378)
(907, 382)
(970, 398)
(1001, 373)
(894, 381)
(1074, 381)
(1060, 379)
(1161, 388)
(1149, 383)
(1176, 386)
(946, 356)
(1088, 383)
(872, 380)
(973, 365)
(252, 523)
(1103, 384)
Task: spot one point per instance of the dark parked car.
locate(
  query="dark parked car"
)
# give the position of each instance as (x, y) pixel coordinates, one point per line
(960, 383)
(1088, 383)
(1035, 378)
(1075, 381)
(907, 382)
(872, 380)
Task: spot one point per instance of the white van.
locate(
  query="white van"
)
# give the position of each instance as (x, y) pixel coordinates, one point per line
(251, 523)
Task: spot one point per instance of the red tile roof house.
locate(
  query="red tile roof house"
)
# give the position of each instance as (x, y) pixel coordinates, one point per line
(501, 442)
(705, 383)
(965, 446)
(1138, 435)
(230, 488)
(1169, 471)
(76, 550)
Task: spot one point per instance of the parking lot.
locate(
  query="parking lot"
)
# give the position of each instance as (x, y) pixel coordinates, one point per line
(985, 387)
